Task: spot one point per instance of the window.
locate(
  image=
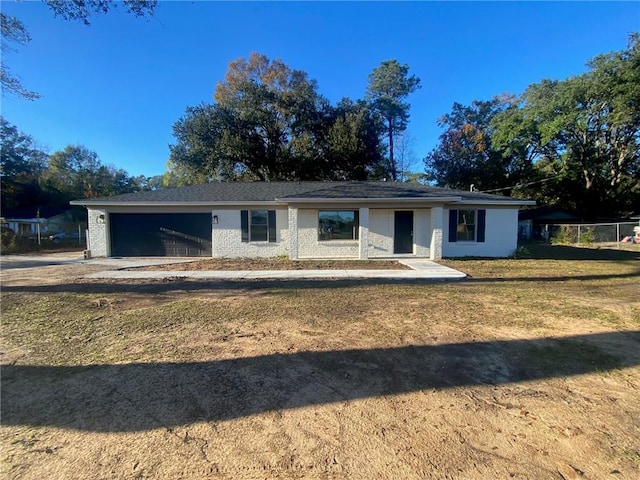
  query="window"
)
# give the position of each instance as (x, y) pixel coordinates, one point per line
(466, 228)
(258, 225)
(338, 224)
(467, 225)
(258, 231)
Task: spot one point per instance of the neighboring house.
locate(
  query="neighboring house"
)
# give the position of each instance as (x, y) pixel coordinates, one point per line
(358, 220)
(50, 221)
(25, 227)
(63, 222)
(534, 223)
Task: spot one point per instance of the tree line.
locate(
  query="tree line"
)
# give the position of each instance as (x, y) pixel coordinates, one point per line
(32, 180)
(572, 143)
(269, 122)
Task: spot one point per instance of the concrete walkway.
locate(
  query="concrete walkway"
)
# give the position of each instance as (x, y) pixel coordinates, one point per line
(115, 269)
(421, 269)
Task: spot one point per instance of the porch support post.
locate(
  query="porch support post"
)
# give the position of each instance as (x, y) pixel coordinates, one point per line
(98, 240)
(437, 221)
(363, 234)
(293, 233)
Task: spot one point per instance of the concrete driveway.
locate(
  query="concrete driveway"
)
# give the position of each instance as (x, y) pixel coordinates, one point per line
(70, 258)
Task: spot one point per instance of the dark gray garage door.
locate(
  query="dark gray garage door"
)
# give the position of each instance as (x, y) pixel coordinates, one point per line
(160, 234)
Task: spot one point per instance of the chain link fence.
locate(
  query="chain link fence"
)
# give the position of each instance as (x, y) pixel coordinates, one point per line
(28, 235)
(592, 233)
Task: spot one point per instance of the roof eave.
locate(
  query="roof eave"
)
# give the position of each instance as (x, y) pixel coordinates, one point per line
(88, 203)
(291, 200)
(369, 200)
(495, 202)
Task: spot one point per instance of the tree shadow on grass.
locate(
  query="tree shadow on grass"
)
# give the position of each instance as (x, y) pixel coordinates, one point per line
(541, 251)
(184, 284)
(138, 397)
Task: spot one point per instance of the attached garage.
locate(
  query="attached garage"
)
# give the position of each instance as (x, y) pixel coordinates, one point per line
(160, 234)
(303, 220)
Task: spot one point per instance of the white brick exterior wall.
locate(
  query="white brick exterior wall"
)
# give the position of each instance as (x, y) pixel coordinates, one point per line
(293, 233)
(437, 219)
(363, 234)
(421, 232)
(376, 233)
(381, 232)
(98, 239)
(501, 235)
(227, 235)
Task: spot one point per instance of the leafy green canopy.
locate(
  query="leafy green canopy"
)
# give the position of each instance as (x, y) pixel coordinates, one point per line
(268, 122)
(467, 157)
(13, 30)
(83, 9)
(21, 164)
(574, 143)
(31, 180)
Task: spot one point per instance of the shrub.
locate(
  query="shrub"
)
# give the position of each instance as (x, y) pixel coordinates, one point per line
(12, 243)
(523, 251)
(564, 235)
(587, 236)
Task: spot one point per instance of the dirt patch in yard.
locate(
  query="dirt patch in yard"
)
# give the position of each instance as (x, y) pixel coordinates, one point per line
(278, 264)
(528, 370)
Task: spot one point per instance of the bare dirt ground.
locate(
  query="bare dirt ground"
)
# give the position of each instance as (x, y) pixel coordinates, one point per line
(221, 264)
(529, 369)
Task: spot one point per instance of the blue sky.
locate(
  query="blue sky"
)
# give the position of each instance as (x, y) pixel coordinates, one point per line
(118, 85)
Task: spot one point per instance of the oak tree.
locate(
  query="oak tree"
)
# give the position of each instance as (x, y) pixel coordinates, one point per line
(466, 156)
(585, 131)
(268, 122)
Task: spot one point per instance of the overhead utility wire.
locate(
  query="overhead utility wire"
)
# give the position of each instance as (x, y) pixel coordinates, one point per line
(519, 185)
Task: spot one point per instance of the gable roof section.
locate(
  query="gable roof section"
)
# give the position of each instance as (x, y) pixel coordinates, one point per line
(543, 214)
(230, 193)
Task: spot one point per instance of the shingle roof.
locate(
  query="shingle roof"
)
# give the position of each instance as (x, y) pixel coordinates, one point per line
(230, 192)
(387, 190)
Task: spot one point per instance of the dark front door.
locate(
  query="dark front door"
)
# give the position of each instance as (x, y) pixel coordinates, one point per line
(403, 232)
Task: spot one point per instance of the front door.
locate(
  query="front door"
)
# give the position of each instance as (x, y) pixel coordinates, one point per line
(403, 232)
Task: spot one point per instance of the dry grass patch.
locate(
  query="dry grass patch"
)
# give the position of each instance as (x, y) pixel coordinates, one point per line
(526, 369)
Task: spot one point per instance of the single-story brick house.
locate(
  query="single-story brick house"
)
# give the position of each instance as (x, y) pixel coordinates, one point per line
(357, 220)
